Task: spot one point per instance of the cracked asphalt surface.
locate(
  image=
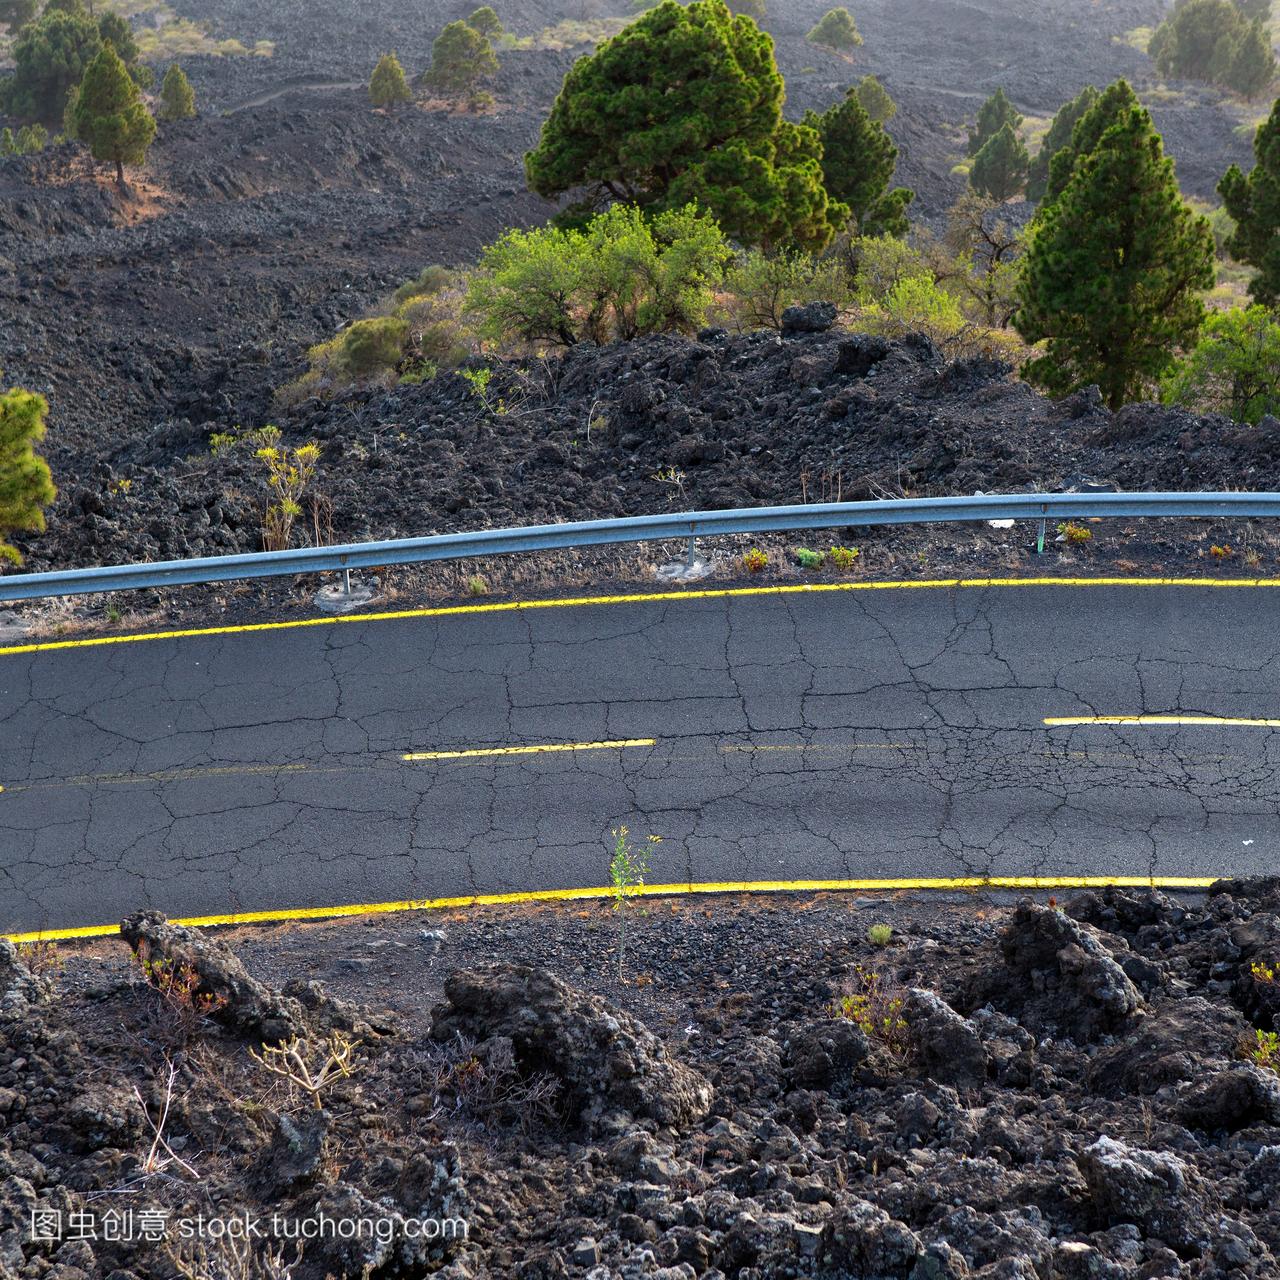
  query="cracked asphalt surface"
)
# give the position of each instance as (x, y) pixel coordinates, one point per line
(852, 734)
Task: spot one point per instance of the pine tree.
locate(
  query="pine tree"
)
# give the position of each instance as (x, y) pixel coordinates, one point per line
(116, 30)
(177, 97)
(1254, 203)
(993, 115)
(8, 147)
(685, 104)
(1000, 168)
(1248, 62)
(1112, 105)
(26, 486)
(1058, 136)
(837, 30)
(858, 159)
(387, 85)
(1113, 275)
(461, 58)
(51, 57)
(875, 100)
(486, 22)
(111, 116)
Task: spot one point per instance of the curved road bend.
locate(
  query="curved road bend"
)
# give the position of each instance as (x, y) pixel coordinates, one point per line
(844, 734)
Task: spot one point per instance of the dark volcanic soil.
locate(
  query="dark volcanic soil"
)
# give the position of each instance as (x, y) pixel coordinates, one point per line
(1059, 1094)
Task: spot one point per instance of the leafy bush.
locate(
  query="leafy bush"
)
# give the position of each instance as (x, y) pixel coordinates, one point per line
(1233, 369)
(844, 558)
(876, 1006)
(370, 346)
(754, 560)
(759, 287)
(430, 280)
(1073, 534)
(808, 558)
(621, 277)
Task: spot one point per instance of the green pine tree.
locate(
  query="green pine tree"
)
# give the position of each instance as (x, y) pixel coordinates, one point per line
(177, 97)
(116, 30)
(50, 58)
(111, 115)
(1115, 268)
(1254, 203)
(1249, 64)
(461, 59)
(26, 486)
(1000, 168)
(837, 30)
(875, 100)
(993, 115)
(1058, 136)
(486, 22)
(685, 105)
(858, 159)
(1112, 105)
(8, 147)
(387, 85)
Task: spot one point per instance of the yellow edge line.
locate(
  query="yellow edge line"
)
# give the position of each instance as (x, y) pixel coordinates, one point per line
(1054, 721)
(722, 593)
(529, 751)
(649, 890)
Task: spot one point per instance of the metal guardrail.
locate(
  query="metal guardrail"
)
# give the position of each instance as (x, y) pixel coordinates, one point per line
(688, 525)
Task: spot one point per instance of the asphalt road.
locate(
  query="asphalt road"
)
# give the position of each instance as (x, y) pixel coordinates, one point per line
(851, 734)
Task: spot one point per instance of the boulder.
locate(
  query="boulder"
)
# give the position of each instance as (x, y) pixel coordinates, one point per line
(948, 1046)
(1239, 1095)
(862, 1240)
(605, 1058)
(824, 1053)
(1154, 1190)
(809, 317)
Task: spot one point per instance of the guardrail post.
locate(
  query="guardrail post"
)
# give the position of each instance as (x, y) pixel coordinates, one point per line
(1040, 540)
(691, 556)
(346, 582)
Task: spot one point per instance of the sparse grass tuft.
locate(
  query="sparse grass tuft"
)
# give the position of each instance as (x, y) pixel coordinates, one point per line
(875, 1005)
(880, 935)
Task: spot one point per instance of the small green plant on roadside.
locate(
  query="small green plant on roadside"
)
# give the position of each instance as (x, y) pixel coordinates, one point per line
(289, 473)
(673, 478)
(807, 558)
(311, 1066)
(41, 959)
(121, 485)
(876, 1008)
(479, 380)
(1074, 534)
(844, 558)
(477, 586)
(627, 870)
(1220, 552)
(184, 1003)
(113, 614)
(1265, 1051)
(880, 935)
(755, 560)
(1263, 972)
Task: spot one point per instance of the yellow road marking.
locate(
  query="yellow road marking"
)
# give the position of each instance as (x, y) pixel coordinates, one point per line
(1059, 721)
(530, 751)
(905, 884)
(827, 747)
(717, 593)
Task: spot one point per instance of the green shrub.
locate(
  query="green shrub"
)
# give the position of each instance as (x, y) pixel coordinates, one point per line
(371, 346)
(387, 85)
(836, 29)
(807, 558)
(761, 286)
(430, 280)
(880, 935)
(621, 277)
(1233, 369)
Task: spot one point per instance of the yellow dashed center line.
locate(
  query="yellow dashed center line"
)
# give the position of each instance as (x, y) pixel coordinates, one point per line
(530, 751)
(1237, 721)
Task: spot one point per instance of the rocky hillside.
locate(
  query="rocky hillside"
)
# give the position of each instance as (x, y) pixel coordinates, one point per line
(995, 1093)
(720, 421)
